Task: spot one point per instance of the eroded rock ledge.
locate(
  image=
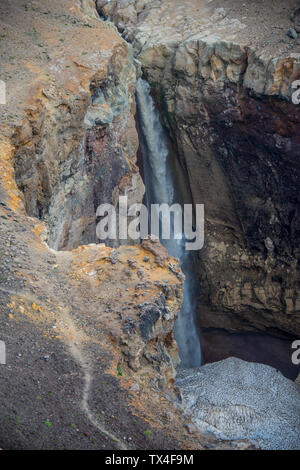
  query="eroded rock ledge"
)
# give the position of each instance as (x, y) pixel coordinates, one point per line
(224, 84)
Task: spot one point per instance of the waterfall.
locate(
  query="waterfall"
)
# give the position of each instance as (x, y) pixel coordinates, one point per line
(161, 188)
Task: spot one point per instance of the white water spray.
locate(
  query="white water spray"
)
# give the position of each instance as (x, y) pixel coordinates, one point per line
(160, 188)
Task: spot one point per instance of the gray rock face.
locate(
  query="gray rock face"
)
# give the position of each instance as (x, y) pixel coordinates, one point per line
(235, 399)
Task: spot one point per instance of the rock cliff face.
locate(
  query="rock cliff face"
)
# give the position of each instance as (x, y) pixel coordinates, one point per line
(76, 145)
(224, 86)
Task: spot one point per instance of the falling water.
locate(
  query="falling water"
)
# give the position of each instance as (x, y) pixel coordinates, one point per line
(161, 188)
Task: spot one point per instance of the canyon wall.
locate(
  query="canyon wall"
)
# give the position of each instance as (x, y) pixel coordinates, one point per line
(76, 145)
(223, 82)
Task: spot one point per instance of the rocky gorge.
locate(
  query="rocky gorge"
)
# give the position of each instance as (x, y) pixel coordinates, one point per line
(228, 108)
(98, 320)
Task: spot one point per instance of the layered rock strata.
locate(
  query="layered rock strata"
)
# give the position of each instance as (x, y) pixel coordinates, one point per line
(90, 353)
(75, 142)
(225, 83)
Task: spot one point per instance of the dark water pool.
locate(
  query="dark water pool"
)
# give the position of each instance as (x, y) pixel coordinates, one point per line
(253, 347)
